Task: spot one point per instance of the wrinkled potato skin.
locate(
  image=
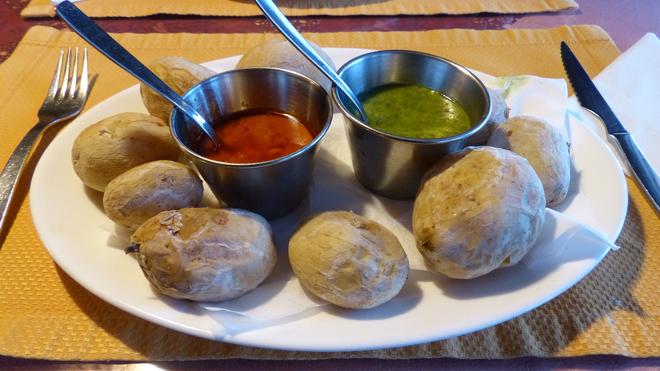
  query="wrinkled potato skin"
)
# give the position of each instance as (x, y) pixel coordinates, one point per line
(478, 210)
(348, 260)
(499, 113)
(179, 74)
(205, 254)
(118, 143)
(147, 189)
(281, 54)
(544, 147)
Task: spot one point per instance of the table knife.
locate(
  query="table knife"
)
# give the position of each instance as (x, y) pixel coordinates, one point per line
(590, 98)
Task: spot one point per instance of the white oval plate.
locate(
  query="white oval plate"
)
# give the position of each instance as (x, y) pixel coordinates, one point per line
(89, 248)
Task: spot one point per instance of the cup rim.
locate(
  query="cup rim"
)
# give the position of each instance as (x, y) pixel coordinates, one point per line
(311, 144)
(463, 135)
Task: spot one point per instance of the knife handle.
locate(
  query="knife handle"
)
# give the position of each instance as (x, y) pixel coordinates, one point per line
(644, 173)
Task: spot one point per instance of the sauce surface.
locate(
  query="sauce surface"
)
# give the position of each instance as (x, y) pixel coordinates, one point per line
(414, 111)
(256, 136)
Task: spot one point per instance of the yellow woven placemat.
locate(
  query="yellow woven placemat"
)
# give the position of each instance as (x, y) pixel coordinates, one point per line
(132, 8)
(44, 314)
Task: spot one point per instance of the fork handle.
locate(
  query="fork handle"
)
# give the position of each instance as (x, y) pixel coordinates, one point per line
(14, 168)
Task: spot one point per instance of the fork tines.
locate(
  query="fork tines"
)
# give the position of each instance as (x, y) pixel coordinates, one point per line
(66, 82)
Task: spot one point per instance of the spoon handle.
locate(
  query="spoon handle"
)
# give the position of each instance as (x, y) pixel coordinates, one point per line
(93, 34)
(273, 13)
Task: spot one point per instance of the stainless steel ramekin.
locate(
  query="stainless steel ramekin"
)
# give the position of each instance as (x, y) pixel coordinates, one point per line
(270, 188)
(392, 165)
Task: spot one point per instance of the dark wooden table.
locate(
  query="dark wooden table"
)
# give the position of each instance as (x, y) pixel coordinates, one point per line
(625, 21)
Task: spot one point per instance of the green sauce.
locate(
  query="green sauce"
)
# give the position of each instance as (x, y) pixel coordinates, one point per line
(414, 111)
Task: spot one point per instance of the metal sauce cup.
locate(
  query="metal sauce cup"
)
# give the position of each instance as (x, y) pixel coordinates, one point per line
(391, 165)
(270, 188)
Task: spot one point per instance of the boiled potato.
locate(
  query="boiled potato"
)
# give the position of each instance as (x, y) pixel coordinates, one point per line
(478, 210)
(499, 113)
(281, 54)
(544, 147)
(147, 189)
(179, 74)
(113, 145)
(348, 260)
(204, 254)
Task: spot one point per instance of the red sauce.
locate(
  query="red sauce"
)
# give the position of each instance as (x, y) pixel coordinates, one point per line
(256, 136)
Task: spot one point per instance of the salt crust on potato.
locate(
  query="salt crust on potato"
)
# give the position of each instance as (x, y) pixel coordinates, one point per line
(544, 147)
(348, 260)
(118, 143)
(147, 189)
(281, 54)
(205, 254)
(478, 210)
(179, 74)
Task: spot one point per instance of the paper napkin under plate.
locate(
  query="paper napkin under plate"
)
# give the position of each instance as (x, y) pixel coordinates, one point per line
(631, 87)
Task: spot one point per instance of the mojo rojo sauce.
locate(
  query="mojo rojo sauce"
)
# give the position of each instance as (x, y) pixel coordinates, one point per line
(256, 136)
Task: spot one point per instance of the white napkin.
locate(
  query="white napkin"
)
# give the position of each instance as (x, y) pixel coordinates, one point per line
(562, 241)
(631, 87)
(281, 299)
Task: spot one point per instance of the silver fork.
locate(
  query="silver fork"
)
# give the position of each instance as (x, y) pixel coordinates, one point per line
(66, 98)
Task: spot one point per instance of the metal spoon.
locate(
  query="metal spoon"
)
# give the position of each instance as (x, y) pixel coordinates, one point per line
(98, 38)
(273, 13)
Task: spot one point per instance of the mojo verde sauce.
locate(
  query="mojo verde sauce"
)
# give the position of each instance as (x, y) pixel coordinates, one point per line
(256, 136)
(414, 111)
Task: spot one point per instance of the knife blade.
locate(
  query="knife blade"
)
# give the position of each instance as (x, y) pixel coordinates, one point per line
(590, 98)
